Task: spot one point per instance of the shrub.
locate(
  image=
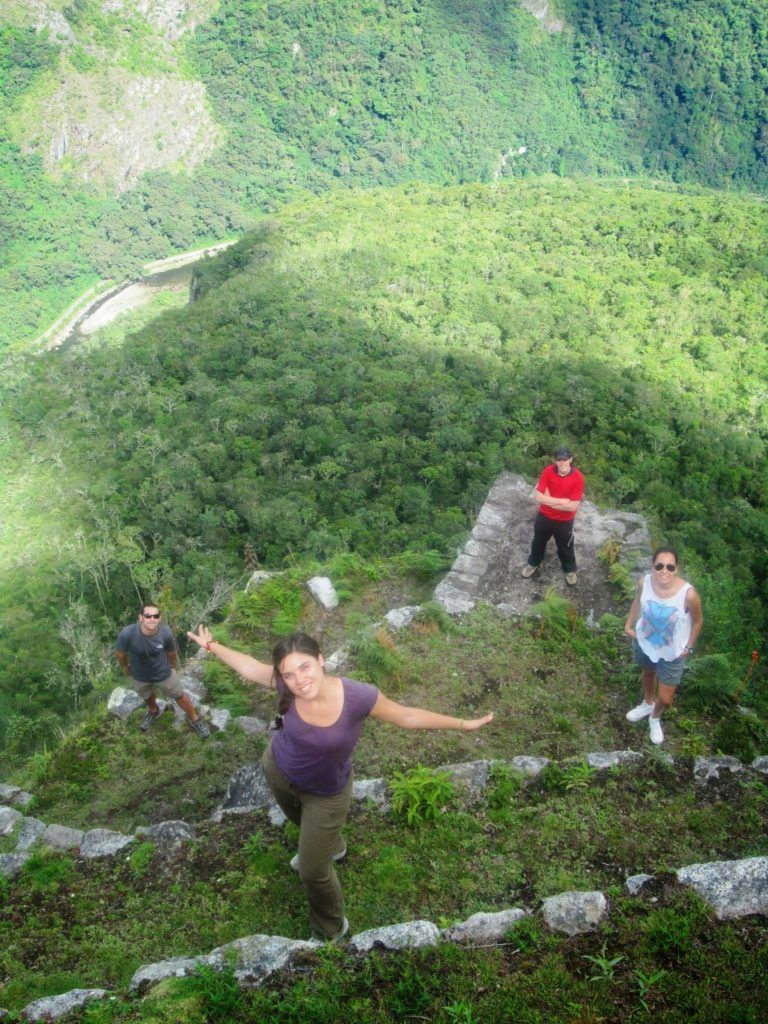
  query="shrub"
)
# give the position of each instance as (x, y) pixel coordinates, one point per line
(710, 682)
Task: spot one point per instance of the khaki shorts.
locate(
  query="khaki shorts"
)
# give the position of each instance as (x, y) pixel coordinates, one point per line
(170, 687)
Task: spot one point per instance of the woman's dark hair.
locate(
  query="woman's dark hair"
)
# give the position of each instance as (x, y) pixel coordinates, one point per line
(300, 643)
(669, 550)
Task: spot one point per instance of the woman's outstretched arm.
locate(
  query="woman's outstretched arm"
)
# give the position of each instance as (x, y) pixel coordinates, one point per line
(246, 666)
(387, 710)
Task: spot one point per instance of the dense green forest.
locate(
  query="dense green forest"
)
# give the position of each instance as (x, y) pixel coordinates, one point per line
(350, 380)
(328, 95)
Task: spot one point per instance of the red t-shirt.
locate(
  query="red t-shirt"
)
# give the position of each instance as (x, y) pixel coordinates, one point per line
(570, 486)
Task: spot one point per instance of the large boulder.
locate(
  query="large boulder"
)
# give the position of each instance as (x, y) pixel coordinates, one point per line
(123, 702)
(14, 795)
(60, 837)
(247, 791)
(8, 818)
(324, 592)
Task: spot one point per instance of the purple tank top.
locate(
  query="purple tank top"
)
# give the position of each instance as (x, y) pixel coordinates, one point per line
(318, 758)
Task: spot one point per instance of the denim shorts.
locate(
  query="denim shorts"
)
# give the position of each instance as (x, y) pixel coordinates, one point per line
(667, 672)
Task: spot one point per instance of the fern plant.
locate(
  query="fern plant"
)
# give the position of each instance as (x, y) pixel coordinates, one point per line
(421, 794)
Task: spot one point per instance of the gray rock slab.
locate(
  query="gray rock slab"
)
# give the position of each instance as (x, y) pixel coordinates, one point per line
(247, 791)
(277, 816)
(8, 818)
(454, 599)
(251, 726)
(257, 957)
(484, 927)
(400, 618)
(760, 764)
(194, 687)
(733, 888)
(470, 777)
(123, 701)
(12, 863)
(371, 789)
(574, 912)
(528, 765)
(30, 834)
(54, 1007)
(710, 769)
(60, 837)
(603, 760)
(220, 719)
(101, 842)
(324, 592)
(634, 883)
(409, 935)
(14, 795)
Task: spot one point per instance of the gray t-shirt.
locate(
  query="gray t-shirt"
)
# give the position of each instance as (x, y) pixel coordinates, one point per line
(147, 655)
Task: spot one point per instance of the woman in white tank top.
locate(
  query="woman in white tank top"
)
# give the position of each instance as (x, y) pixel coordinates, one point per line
(664, 622)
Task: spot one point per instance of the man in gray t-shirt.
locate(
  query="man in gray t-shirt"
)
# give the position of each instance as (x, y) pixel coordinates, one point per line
(146, 651)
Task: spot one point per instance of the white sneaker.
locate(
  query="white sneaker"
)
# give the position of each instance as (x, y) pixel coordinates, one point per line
(337, 856)
(528, 571)
(640, 712)
(657, 736)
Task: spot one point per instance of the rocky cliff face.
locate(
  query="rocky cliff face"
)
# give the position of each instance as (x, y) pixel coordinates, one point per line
(109, 126)
(542, 11)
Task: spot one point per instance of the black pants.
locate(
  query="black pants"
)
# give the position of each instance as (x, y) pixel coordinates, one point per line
(562, 531)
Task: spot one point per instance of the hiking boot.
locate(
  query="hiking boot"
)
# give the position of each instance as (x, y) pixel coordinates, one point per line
(528, 571)
(200, 728)
(641, 711)
(316, 937)
(336, 856)
(149, 719)
(657, 736)
(571, 579)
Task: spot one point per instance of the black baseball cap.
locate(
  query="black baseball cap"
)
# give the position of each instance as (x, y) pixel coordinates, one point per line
(563, 453)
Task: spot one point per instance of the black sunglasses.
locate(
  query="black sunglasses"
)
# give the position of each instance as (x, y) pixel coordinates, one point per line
(665, 565)
(153, 615)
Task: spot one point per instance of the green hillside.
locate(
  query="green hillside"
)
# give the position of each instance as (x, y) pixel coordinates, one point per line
(262, 103)
(350, 381)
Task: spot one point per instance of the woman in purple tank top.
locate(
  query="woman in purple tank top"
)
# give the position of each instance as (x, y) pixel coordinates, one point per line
(308, 764)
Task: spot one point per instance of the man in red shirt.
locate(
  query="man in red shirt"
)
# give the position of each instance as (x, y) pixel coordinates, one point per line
(559, 493)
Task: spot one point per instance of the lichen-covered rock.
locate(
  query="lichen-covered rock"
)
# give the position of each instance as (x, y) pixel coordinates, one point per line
(336, 661)
(60, 837)
(220, 719)
(733, 888)
(257, 957)
(14, 796)
(324, 592)
(169, 837)
(30, 834)
(55, 1007)
(709, 769)
(409, 935)
(574, 912)
(399, 618)
(250, 726)
(101, 842)
(470, 778)
(8, 818)
(152, 974)
(484, 927)
(123, 702)
(602, 760)
(635, 883)
(532, 766)
(374, 790)
(247, 791)
(760, 764)
(12, 863)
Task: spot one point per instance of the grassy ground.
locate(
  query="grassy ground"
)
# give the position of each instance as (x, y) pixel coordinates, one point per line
(66, 923)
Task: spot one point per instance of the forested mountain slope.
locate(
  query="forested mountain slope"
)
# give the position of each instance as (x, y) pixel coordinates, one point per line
(353, 376)
(130, 131)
